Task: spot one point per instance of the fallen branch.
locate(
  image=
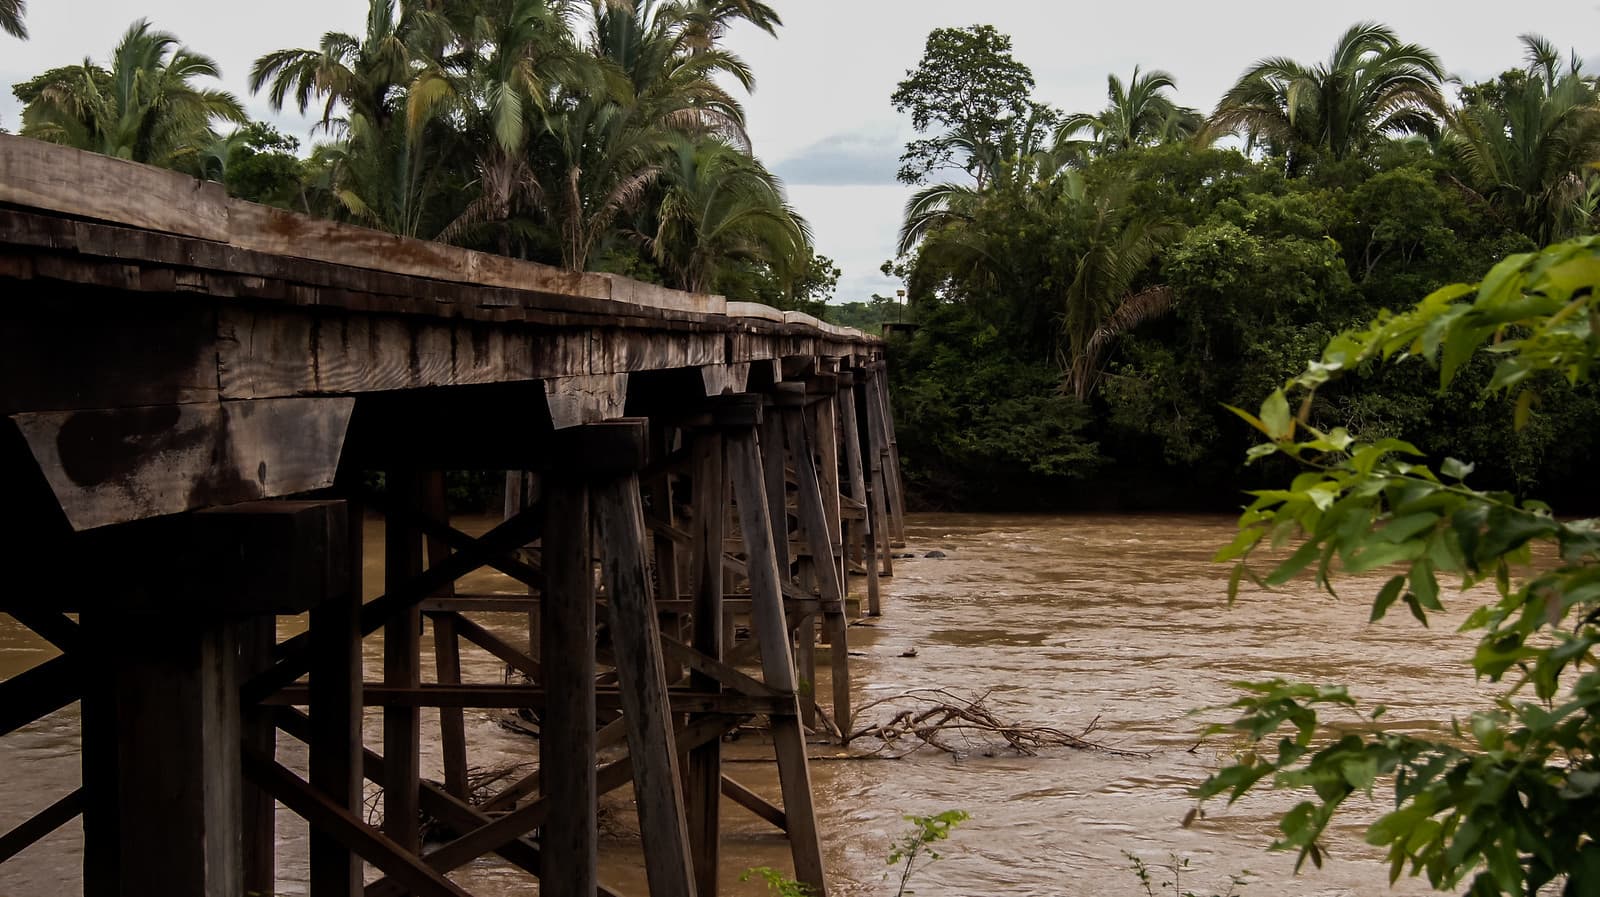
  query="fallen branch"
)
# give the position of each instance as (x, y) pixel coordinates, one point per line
(938, 718)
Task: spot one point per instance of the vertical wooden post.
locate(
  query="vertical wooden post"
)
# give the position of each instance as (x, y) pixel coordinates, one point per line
(776, 484)
(335, 705)
(826, 430)
(567, 731)
(704, 779)
(402, 668)
(771, 628)
(98, 711)
(891, 461)
(877, 485)
(258, 635)
(519, 486)
(814, 519)
(858, 486)
(164, 737)
(446, 648)
(636, 638)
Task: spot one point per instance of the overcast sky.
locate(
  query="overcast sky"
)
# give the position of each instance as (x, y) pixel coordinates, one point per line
(821, 116)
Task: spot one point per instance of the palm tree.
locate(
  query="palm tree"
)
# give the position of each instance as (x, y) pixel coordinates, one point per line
(598, 162)
(1372, 87)
(1101, 302)
(1528, 149)
(515, 55)
(365, 74)
(145, 107)
(11, 13)
(1140, 113)
(719, 206)
(1108, 251)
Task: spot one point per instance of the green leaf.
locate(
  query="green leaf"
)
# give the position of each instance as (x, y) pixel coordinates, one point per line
(1454, 469)
(1275, 416)
(1386, 598)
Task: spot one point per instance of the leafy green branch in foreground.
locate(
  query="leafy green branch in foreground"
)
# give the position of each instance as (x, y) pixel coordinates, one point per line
(1511, 802)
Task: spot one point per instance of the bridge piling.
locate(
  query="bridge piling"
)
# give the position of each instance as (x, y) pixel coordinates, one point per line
(193, 397)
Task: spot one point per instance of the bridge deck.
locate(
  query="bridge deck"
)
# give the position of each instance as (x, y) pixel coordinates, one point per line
(130, 287)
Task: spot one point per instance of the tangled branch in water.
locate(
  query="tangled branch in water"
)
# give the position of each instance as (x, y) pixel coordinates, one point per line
(938, 717)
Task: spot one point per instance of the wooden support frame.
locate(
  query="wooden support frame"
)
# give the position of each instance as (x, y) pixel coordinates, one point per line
(745, 463)
(567, 733)
(703, 775)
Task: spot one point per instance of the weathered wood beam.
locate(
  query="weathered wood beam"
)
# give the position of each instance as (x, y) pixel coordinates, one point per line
(567, 727)
(402, 668)
(123, 464)
(333, 733)
(704, 767)
(771, 631)
(636, 639)
(39, 691)
(755, 803)
(40, 824)
(373, 845)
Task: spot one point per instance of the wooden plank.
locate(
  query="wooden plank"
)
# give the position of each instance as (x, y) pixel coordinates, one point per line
(41, 824)
(163, 353)
(878, 387)
(776, 485)
(704, 769)
(570, 844)
(325, 815)
(295, 653)
(90, 185)
(446, 647)
(278, 232)
(334, 729)
(877, 487)
(38, 692)
(825, 428)
(473, 632)
(402, 668)
(480, 695)
(772, 632)
(452, 812)
(856, 478)
(755, 803)
(257, 637)
(586, 399)
(637, 640)
(174, 721)
(56, 628)
(711, 668)
(118, 465)
(495, 833)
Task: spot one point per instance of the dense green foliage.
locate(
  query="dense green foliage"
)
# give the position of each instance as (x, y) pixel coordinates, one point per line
(596, 136)
(1506, 803)
(1092, 297)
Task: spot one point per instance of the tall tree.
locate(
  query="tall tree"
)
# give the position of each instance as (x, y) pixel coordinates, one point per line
(1139, 113)
(1372, 86)
(514, 57)
(11, 13)
(1527, 140)
(720, 207)
(966, 84)
(365, 74)
(145, 107)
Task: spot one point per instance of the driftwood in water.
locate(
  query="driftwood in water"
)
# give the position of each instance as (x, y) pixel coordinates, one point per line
(960, 725)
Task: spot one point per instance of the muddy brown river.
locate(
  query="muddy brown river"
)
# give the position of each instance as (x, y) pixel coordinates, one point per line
(1066, 620)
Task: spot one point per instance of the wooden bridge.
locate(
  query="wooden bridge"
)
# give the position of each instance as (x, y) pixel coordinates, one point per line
(197, 394)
